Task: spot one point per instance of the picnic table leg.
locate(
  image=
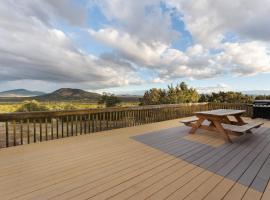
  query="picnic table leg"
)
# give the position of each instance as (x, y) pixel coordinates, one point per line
(222, 130)
(239, 119)
(226, 120)
(211, 123)
(196, 126)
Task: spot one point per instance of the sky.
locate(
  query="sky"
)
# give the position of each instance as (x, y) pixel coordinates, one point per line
(127, 46)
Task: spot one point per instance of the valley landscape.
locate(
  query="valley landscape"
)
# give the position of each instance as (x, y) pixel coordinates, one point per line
(72, 99)
(61, 99)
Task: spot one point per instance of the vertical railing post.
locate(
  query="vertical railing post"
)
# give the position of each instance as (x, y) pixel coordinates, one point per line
(35, 132)
(14, 133)
(40, 129)
(46, 129)
(21, 131)
(28, 131)
(7, 135)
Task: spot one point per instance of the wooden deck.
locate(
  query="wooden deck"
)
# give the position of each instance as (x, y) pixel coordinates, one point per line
(153, 161)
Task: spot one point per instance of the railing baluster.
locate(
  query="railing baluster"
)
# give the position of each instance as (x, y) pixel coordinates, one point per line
(21, 131)
(57, 128)
(67, 124)
(100, 121)
(113, 125)
(89, 123)
(110, 120)
(106, 120)
(123, 118)
(117, 119)
(81, 125)
(7, 135)
(28, 131)
(92, 123)
(14, 133)
(35, 131)
(52, 137)
(120, 119)
(46, 128)
(85, 125)
(40, 130)
(134, 117)
(72, 131)
(62, 127)
(127, 118)
(76, 125)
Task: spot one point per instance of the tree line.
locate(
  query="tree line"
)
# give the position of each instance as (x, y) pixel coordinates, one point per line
(181, 93)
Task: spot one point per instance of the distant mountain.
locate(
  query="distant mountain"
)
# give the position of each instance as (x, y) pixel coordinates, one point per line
(257, 92)
(63, 94)
(129, 98)
(69, 94)
(20, 93)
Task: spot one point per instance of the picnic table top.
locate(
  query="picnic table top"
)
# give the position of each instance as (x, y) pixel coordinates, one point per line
(221, 112)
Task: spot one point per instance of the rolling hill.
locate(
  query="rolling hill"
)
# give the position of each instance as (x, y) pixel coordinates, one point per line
(65, 94)
(20, 93)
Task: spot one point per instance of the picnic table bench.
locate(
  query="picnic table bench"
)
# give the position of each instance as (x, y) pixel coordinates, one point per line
(218, 121)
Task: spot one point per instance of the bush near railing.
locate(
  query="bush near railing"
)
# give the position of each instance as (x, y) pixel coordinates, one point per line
(30, 127)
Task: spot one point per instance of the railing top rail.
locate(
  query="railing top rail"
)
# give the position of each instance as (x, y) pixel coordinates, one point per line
(60, 113)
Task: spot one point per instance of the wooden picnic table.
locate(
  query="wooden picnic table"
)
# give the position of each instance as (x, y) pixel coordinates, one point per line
(219, 121)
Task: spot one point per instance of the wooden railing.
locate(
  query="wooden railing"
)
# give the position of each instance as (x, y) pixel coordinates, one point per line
(30, 127)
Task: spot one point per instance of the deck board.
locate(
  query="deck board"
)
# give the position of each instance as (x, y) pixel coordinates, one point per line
(219, 178)
(154, 161)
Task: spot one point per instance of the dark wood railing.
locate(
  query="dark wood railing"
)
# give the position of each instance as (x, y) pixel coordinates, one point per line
(30, 127)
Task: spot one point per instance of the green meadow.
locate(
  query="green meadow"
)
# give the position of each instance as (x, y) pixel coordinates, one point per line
(6, 107)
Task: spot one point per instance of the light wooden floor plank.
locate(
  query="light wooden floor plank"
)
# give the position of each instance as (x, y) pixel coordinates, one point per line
(153, 161)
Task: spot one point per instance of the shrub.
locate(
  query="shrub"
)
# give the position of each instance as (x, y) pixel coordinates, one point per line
(109, 100)
(69, 107)
(62, 106)
(33, 105)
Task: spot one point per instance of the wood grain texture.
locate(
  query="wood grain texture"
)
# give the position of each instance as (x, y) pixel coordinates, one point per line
(113, 165)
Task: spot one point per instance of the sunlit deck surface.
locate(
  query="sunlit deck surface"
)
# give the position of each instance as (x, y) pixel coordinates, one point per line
(153, 161)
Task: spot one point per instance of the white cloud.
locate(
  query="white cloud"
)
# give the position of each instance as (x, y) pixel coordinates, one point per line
(140, 34)
(221, 87)
(210, 20)
(166, 61)
(145, 19)
(196, 63)
(32, 50)
(158, 80)
(246, 58)
(48, 11)
(130, 46)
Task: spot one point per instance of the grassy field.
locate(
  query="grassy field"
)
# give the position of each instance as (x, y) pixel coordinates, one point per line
(6, 107)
